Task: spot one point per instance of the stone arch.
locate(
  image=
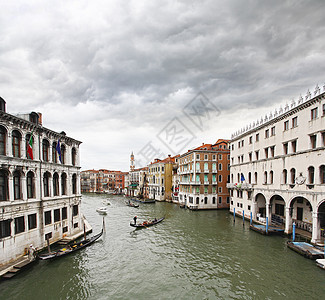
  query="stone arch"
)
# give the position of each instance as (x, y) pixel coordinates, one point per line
(301, 212)
(260, 202)
(277, 209)
(321, 216)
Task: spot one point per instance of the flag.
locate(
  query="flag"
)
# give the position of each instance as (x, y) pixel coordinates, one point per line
(30, 147)
(242, 178)
(58, 149)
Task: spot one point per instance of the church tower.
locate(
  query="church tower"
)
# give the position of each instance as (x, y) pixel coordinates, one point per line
(132, 162)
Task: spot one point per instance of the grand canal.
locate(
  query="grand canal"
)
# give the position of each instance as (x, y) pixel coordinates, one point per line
(191, 254)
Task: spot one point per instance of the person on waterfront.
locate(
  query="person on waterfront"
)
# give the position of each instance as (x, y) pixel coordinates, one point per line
(31, 252)
(135, 220)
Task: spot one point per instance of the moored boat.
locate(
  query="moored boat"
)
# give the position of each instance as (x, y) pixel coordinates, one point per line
(71, 248)
(147, 223)
(131, 204)
(320, 263)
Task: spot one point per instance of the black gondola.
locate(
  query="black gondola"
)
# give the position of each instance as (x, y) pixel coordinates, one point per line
(132, 204)
(146, 224)
(71, 248)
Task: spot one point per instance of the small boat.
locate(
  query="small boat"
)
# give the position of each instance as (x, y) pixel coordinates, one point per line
(71, 248)
(147, 223)
(320, 263)
(102, 210)
(131, 204)
(106, 202)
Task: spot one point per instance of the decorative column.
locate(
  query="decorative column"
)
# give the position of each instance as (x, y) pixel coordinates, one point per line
(9, 144)
(267, 214)
(288, 224)
(316, 230)
(11, 188)
(24, 187)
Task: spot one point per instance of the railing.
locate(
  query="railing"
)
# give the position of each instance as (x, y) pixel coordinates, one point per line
(303, 225)
(206, 182)
(206, 170)
(240, 186)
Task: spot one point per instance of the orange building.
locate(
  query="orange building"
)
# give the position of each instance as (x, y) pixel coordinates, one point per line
(204, 173)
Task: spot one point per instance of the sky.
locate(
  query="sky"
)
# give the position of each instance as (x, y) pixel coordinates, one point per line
(156, 77)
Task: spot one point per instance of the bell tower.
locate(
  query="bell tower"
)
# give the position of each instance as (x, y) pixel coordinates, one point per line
(132, 162)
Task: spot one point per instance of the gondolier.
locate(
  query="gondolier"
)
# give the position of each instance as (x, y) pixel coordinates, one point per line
(135, 220)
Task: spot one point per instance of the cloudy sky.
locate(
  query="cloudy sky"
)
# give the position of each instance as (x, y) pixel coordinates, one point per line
(156, 77)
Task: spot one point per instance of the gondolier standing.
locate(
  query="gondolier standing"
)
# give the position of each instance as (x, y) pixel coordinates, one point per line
(135, 220)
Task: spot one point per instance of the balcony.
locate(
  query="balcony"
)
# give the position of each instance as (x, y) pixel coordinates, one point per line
(184, 182)
(240, 186)
(214, 171)
(195, 182)
(206, 171)
(198, 170)
(214, 182)
(206, 182)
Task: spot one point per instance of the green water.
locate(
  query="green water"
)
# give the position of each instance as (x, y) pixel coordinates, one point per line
(190, 255)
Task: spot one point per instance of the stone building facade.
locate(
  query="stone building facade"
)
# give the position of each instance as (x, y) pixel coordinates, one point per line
(39, 197)
(278, 167)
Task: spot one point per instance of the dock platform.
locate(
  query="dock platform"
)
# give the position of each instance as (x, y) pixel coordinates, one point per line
(306, 249)
(272, 230)
(143, 201)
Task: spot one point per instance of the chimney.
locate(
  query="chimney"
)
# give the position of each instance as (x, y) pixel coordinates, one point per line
(2, 105)
(40, 122)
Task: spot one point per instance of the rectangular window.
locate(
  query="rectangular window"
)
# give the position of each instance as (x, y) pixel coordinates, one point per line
(220, 178)
(219, 189)
(32, 222)
(250, 156)
(214, 157)
(256, 154)
(220, 156)
(220, 200)
(75, 225)
(266, 150)
(285, 148)
(323, 138)
(250, 139)
(272, 150)
(198, 156)
(205, 157)
(220, 167)
(205, 189)
(286, 125)
(313, 140)
(239, 144)
(257, 137)
(19, 224)
(228, 200)
(64, 213)
(294, 122)
(294, 146)
(314, 113)
(57, 215)
(5, 228)
(273, 131)
(75, 210)
(323, 109)
(267, 133)
(64, 229)
(48, 217)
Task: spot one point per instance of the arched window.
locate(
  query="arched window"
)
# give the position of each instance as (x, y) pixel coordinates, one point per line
(54, 153)
(3, 185)
(3, 140)
(197, 200)
(29, 146)
(30, 185)
(292, 176)
(17, 191)
(205, 200)
(16, 139)
(214, 200)
(55, 184)
(45, 149)
(255, 178)
(238, 177)
(249, 177)
(271, 177)
(322, 174)
(285, 176)
(74, 184)
(64, 184)
(265, 177)
(46, 179)
(63, 151)
(74, 156)
(311, 175)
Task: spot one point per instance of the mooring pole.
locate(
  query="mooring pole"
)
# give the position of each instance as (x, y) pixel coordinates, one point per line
(267, 224)
(251, 219)
(234, 214)
(293, 231)
(243, 217)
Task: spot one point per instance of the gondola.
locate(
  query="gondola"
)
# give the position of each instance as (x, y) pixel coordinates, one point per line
(146, 223)
(71, 248)
(132, 204)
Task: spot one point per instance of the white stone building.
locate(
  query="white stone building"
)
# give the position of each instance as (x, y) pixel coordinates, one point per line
(278, 167)
(39, 197)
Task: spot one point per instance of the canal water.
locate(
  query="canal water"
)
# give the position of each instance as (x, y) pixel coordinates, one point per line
(190, 255)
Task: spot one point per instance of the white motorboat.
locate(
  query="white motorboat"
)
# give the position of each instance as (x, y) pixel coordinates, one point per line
(320, 263)
(102, 210)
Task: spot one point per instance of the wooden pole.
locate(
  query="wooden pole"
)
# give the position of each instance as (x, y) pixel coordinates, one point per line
(48, 244)
(243, 217)
(234, 214)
